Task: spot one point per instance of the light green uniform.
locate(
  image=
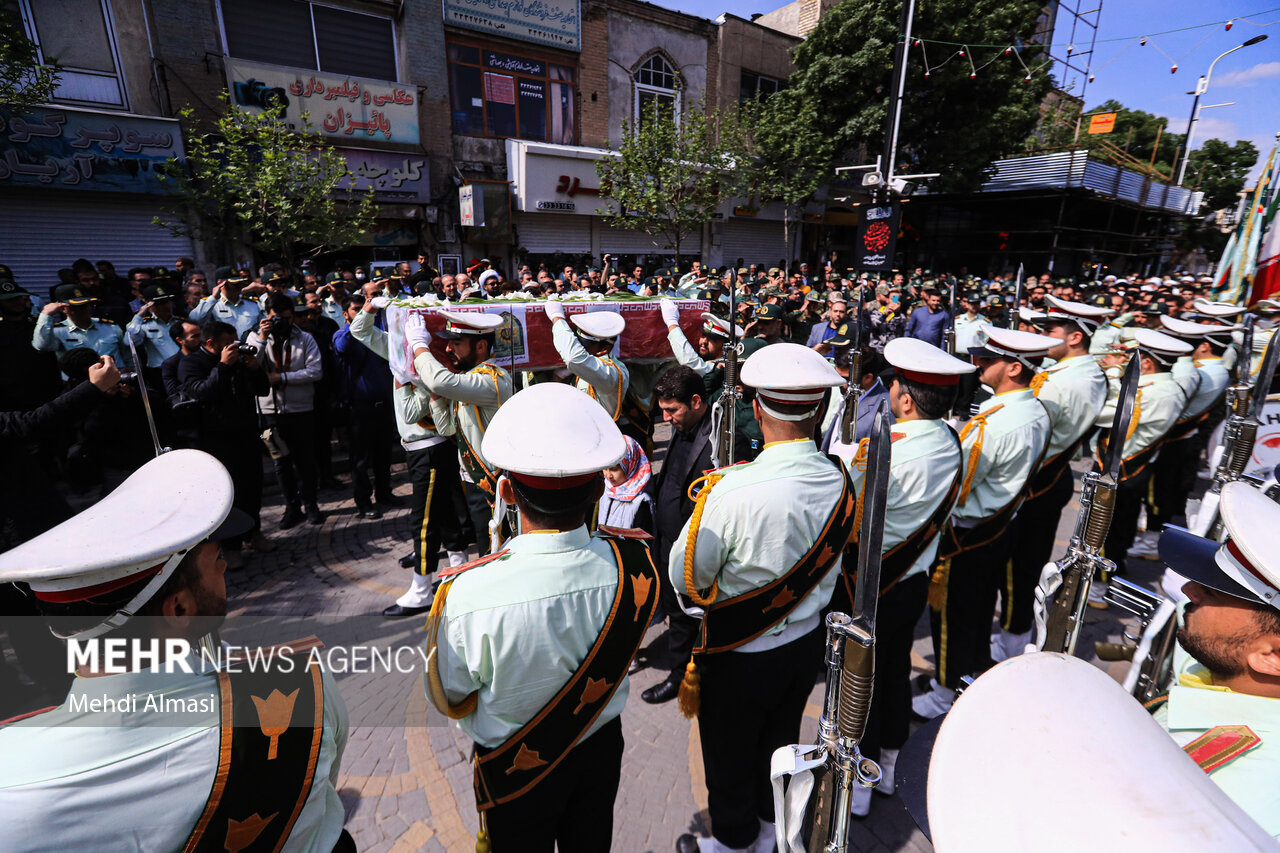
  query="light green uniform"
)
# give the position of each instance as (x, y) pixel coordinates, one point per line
(686, 354)
(1157, 409)
(1109, 333)
(1016, 431)
(102, 336)
(124, 781)
(756, 524)
(517, 628)
(1196, 705)
(1213, 382)
(244, 314)
(410, 405)
(1074, 392)
(153, 335)
(967, 332)
(603, 377)
(465, 402)
(1185, 374)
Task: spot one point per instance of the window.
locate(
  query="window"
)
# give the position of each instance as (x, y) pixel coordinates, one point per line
(79, 35)
(657, 83)
(310, 35)
(500, 94)
(755, 85)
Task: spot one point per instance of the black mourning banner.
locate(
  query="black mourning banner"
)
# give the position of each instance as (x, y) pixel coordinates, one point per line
(877, 237)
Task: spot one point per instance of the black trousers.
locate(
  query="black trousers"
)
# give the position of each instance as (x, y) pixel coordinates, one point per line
(1032, 537)
(961, 623)
(435, 508)
(682, 629)
(1172, 479)
(480, 508)
(372, 427)
(296, 470)
(889, 719)
(572, 808)
(322, 435)
(1124, 523)
(242, 457)
(751, 705)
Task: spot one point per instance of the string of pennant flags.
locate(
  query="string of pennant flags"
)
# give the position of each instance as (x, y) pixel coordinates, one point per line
(977, 56)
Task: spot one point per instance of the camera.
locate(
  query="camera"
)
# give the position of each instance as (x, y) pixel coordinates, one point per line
(255, 93)
(128, 377)
(278, 327)
(246, 349)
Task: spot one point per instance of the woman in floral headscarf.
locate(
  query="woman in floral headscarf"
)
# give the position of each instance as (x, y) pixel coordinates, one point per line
(625, 503)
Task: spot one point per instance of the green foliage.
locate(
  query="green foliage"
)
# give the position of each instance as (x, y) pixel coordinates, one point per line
(256, 179)
(24, 80)
(1219, 170)
(669, 175)
(950, 123)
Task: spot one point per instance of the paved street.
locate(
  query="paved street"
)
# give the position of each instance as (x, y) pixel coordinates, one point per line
(406, 778)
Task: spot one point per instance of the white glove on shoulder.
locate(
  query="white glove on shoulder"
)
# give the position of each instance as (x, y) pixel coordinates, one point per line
(670, 313)
(380, 302)
(555, 311)
(415, 332)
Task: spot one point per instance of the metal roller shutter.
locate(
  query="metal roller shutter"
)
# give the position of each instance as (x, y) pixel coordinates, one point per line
(622, 241)
(41, 232)
(756, 242)
(545, 233)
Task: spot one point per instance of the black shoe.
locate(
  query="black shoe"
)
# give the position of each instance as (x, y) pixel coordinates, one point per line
(292, 517)
(687, 844)
(663, 691)
(635, 667)
(368, 512)
(389, 500)
(395, 611)
(313, 515)
(408, 561)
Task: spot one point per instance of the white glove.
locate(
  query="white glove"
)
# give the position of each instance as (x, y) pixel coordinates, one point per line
(380, 302)
(555, 311)
(670, 313)
(415, 332)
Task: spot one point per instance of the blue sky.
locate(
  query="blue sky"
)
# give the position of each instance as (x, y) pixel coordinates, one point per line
(1138, 76)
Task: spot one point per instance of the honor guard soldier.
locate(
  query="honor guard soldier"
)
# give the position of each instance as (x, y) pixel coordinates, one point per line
(226, 304)
(80, 328)
(870, 393)
(1073, 389)
(529, 648)
(463, 401)
(585, 348)
(1229, 312)
(1159, 404)
(149, 328)
(708, 359)
(761, 556)
(925, 473)
(1223, 708)
(436, 507)
(1001, 446)
(118, 766)
(1174, 472)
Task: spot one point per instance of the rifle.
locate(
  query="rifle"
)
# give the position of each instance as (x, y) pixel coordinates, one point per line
(1240, 432)
(727, 406)
(949, 336)
(1152, 651)
(1064, 585)
(1017, 301)
(849, 417)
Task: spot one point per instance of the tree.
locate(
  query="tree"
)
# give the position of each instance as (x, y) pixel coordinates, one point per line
(1219, 170)
(24, 80)
(669, 175)
(256, 179)
(1139, 140)
(951, 123)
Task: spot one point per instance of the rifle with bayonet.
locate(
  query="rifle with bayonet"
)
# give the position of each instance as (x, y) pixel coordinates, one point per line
(1244, 404)
(726, 416)
(836, 761)
(1064, 585)
(949, 336)
(1017, 301)
(849, 417)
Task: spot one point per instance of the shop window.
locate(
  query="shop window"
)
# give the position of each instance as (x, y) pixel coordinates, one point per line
(80, 37)
(657, 84)
(505, 95)
(755, 85)
(310, 35)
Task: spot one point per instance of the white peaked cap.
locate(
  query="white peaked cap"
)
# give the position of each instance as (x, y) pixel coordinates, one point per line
(1218, 309)
(1038, 719)
(1088, 317)
(471, 323)
(923, 362)
(1187, 329)
(789, 374)
(551, 432)
(601, 326)
(1163, 347)
(1011, 343)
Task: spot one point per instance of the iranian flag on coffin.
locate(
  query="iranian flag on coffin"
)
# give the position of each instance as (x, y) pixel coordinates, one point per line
(524, 340)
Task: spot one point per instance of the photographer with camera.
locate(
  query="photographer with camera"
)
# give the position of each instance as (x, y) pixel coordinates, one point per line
(292, 361)
(225, 378)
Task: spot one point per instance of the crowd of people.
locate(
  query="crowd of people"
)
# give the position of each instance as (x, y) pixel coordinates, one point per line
(993, 386)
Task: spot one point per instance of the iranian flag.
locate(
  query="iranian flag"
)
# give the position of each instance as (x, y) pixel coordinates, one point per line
(1266, 281)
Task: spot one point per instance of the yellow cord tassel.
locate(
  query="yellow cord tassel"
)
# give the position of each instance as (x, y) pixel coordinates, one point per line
(938, 585)
(1037, 382)
(975, 452)
(483, 844)
(1137, 413)
(690, 697)
(860, 464)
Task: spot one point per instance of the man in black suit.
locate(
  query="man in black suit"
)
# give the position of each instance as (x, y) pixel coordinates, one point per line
(680, 392)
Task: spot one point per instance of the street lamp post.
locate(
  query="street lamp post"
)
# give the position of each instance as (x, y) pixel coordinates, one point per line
(1202, 86)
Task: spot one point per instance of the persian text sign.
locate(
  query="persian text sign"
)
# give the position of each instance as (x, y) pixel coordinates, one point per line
(524, 342)
(553, 22)
(71, 149)
(349, 108)
(1102, 123)
(391, 176)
